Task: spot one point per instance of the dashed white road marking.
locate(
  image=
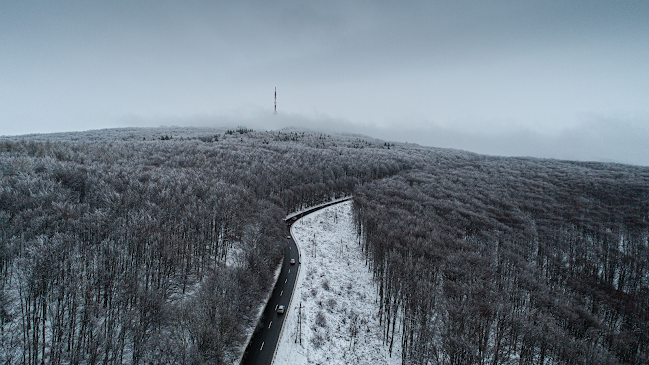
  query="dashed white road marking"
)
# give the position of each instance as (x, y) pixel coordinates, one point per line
(262, 346)
(271, 322)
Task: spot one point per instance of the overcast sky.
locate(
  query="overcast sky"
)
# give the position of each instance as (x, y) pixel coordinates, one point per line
(560, 79)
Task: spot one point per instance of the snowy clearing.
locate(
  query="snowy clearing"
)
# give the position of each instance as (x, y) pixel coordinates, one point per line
(337, 295)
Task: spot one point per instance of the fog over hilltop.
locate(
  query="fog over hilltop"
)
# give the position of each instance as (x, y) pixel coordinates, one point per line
(546, 79)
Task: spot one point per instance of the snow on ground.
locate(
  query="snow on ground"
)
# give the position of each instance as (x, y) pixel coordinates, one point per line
(319, 205)
(338, 297)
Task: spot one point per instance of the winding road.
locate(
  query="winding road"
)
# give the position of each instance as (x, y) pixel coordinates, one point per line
(263, 343)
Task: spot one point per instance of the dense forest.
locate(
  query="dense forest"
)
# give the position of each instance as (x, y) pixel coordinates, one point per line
(511, 261)
(151, 246)
(146, 246)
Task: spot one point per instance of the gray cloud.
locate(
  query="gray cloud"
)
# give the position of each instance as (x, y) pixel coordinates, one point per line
(464, 69)
(605, 140)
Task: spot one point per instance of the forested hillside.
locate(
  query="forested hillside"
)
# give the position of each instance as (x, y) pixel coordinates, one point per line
(152, 246)
(506, 260)
(148, 247)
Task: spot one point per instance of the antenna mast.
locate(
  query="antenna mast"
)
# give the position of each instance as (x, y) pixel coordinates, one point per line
(275, 101)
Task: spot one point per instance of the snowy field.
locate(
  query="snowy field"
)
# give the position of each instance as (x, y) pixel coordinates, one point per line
(340, 315)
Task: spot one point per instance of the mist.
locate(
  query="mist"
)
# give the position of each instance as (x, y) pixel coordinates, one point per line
(544, 79)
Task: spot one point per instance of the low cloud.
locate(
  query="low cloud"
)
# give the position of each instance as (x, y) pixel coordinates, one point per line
(604, 140)
(598, 139)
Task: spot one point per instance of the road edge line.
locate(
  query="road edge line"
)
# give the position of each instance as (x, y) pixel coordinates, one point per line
(297, 277)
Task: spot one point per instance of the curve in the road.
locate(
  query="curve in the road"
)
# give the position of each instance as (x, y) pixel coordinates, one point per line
(263, 343)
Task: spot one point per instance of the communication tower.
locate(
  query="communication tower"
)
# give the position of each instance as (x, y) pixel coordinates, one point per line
(275, 101)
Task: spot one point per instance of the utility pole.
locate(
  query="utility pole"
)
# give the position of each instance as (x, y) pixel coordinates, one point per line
(353, 331)
(298, 333)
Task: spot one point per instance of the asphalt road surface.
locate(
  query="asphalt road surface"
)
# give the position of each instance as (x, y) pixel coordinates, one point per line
(262, 345)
